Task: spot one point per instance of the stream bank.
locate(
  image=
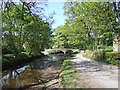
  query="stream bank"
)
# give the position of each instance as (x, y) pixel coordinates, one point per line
(9, 61)
(38, 73)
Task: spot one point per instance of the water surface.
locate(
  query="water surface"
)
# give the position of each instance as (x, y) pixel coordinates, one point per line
(34, 72)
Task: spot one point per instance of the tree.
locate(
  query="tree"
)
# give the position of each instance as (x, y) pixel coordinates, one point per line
(95, 22)
(24, 28)
(60, 38)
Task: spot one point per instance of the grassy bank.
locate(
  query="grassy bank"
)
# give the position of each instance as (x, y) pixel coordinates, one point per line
(68, 76)
(10, 61)
(108, 61)
(104, 48)
(73, 53)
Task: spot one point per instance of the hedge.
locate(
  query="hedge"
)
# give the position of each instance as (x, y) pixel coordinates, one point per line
(105, 55)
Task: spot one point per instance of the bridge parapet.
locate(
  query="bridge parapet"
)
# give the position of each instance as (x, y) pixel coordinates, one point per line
(64, 50)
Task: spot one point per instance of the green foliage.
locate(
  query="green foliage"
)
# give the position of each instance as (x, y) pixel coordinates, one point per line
(88, 25)
(108, 61)
(51, 52)
(68, 76)
(76, 52)
(60, 37)
(73, 53)
(10, 60)
(9, 55)
(38, 39)
(24, 31)
(60, 61)
(106, 48)
(59, 51)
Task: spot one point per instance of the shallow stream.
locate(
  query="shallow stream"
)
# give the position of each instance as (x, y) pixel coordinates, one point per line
(36, 72)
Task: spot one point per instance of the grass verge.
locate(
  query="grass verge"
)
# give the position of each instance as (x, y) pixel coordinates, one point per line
(68, 76)
(108, 61)
(73, 54)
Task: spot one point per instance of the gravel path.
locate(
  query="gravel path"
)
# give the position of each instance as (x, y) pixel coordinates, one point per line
(96, 74)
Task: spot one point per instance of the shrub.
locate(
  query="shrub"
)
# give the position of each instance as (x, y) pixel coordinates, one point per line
(60, 61)
(6, 50)
(110, 58)
(90, 53)
(112, 61)
(105, 48)
(8, 55)
(102, 55)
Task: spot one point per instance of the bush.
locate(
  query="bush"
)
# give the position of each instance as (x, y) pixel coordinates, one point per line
(112, 61)
(26, 53)
(106, 48)
(9, 60)
(8, 55)
(109, 49)
(6, 50)
(102, 57)
(90, 47)
(60, 61)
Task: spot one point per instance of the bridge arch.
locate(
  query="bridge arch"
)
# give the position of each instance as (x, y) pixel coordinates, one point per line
(66, 50)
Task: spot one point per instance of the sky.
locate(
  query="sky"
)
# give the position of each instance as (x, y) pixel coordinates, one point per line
(59, 17)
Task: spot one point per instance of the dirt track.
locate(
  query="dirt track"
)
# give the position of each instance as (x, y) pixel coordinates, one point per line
(96, 74)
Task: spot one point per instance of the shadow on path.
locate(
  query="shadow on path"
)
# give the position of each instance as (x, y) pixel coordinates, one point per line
(98, 72)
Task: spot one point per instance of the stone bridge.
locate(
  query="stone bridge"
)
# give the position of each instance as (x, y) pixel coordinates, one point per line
(63, 50)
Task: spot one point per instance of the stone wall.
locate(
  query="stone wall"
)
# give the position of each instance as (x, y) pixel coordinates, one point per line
(106, 56)
(116, 43)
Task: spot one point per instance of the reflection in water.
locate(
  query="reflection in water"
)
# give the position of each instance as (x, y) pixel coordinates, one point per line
(29, 73)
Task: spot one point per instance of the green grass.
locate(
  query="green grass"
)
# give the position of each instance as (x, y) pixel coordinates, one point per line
(51, 52)
(103, 48)
(73, 54)
(109, 48)
(108, 61)
(68, 76)
(106, 49)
